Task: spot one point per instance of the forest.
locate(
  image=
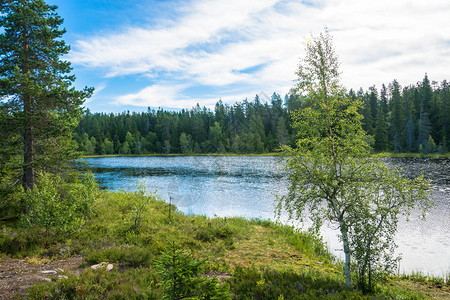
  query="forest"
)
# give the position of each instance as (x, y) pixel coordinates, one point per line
(412, 118)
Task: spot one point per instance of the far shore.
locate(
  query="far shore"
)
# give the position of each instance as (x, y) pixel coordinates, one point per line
(381, 154)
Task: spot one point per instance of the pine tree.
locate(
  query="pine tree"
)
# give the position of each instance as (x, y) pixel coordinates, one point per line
(36, 85)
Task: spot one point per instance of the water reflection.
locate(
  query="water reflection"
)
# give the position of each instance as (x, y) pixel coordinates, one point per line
(246, 186)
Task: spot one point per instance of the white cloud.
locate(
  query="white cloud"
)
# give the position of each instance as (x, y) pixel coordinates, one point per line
(216, 41)
(155, 96)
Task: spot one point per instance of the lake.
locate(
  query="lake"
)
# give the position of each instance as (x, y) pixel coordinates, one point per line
(247, 186)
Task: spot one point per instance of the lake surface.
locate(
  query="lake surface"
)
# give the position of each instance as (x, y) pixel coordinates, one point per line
(246, 186)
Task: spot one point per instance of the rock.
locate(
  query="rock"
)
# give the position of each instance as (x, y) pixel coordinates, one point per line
(62, 277)
(103, 264)
(42, 278)
(95, 267)
(49, 272)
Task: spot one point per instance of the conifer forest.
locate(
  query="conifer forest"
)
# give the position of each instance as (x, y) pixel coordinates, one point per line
(413, 118)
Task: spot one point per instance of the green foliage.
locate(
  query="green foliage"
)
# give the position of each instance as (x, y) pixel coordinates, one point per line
(59, 207)
(253, 257)
(100, 284)
(256, 127)
(36, 91)
(244, 127)
(211, 233)
(180, 277)
(251, 283)
(139, 202)
(22, 242)
(334, 179)
(386, 196)
(420, 277)
(305, 242)
(128, 255)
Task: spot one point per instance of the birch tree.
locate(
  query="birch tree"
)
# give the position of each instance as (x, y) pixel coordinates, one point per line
(332, 177)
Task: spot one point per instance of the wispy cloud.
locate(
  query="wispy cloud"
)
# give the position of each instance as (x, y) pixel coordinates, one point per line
(256, 44)
(155, 96)
(97, 90)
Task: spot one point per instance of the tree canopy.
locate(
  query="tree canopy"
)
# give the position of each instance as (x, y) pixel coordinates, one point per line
(333, 177)
(39, 107)
(259, 126)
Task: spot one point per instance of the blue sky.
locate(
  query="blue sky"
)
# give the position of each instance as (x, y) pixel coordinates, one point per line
(175, 54)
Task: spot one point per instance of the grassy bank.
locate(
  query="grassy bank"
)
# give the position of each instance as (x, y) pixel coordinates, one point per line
(255, 259)
(418, 155)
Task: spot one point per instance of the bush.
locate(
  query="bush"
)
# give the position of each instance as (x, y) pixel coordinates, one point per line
(127, 255)
(180, 277)
(13, 242)
(253, 283)
(210, 233)
(57, 206)
(139, 202)
(100, 284)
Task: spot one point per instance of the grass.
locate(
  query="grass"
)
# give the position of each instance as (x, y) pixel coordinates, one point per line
(418, 155)
(265, 260)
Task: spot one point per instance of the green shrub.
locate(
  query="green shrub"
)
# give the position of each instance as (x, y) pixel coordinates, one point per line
(253, 283)
(139, 202)
(13, 243)
(210, 234)
(129, 255)
(215, 229)
(180, 278)
(100, 284)
(57, 206)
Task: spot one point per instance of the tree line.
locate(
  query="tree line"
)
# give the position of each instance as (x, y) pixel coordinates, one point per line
(244, 127)
(414, 118)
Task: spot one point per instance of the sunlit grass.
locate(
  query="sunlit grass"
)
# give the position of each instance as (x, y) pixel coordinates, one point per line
(265, 259)
(418, 155)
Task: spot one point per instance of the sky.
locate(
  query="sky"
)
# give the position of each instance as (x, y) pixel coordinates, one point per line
(174, 54)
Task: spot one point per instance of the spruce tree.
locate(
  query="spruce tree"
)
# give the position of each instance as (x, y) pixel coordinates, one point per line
(426, 94)
(381, 136)
(410, 134)
(35, 85)
(424, 131)
(396, 121)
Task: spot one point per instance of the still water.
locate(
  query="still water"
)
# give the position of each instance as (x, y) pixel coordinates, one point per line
(247, 187)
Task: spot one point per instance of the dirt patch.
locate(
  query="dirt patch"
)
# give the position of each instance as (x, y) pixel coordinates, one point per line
(221, 276)
(16, 275)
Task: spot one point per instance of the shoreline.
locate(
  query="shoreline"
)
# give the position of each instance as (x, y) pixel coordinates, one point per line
(381, 154)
